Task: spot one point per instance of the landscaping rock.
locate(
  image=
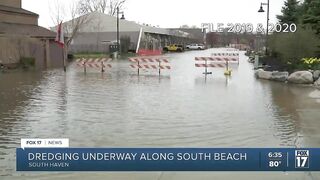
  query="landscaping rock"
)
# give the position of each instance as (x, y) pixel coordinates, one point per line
(256, 73)
(316, 74)
(317, 83)
(301, 77)
(279, 76)
(262, 74)
(275, 75)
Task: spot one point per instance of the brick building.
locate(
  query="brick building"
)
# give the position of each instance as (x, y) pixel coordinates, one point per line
(20, 36)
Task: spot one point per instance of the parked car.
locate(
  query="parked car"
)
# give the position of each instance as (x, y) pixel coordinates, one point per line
(195, 47)
(174, 47)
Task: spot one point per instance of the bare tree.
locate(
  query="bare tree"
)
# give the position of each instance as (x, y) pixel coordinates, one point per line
(57, 11)
(78, 20)
(184, 26)
(104, 6)
(71, 28)
(87, 6)
(113, 5)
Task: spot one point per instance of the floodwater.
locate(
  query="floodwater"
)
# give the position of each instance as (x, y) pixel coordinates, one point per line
(181, 108)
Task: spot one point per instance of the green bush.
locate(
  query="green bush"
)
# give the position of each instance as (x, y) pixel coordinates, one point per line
(290, 48)
(310, 63)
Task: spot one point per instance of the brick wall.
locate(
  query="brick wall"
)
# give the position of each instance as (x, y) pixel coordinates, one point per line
(12, 48)
(11, 3)
(18, 18)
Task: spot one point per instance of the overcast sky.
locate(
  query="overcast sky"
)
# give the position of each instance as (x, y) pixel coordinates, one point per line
(174, 13)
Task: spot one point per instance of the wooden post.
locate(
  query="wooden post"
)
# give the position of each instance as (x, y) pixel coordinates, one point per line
(47, 53)
(138, 67)
(64, 60)
(102, 67)
(227, 65)
(159, 67)
(206, 69)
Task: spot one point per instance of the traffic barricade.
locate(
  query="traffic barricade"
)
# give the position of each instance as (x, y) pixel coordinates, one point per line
(218, 60)
(98, 63)
(155, 63)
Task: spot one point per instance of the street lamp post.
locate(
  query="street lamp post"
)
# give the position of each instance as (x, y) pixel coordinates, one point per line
(122, 17)
(260, 11)
(204, 30)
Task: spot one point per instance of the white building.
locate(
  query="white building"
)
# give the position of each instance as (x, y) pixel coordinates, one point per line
(101, 30)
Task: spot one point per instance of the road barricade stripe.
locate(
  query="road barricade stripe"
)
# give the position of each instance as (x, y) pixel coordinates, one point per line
(211, 65)
(99, 63)
(156, 63)
(230, 59)
(149, 60)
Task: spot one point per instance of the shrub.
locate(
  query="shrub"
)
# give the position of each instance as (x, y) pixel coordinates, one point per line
(310, 63)
(290, 48)
(27, 62)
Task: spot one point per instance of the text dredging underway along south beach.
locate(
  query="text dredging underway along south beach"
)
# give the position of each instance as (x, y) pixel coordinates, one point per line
(216, 156)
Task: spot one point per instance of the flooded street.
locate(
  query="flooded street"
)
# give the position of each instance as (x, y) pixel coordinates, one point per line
(179, 109)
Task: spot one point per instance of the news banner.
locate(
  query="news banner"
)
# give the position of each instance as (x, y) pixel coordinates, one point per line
(56, 155)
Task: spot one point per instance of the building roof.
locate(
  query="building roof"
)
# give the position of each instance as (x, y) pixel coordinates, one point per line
(17, 10)
(100, 22)
(27, 30)
(195, 32)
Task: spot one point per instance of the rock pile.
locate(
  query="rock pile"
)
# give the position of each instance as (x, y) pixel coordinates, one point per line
(299, 77)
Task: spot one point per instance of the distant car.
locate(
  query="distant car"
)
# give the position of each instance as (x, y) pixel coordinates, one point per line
(174, 47)
(195, 47)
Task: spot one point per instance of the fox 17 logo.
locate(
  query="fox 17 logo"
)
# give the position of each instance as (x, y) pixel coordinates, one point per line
(302, 158)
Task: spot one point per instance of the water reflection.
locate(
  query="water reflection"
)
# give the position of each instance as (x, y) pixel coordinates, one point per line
(298, 114)
(178, 109)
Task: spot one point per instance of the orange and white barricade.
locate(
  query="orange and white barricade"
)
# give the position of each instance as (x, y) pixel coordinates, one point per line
(218, 60)
(155, 63)
(98, 63)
